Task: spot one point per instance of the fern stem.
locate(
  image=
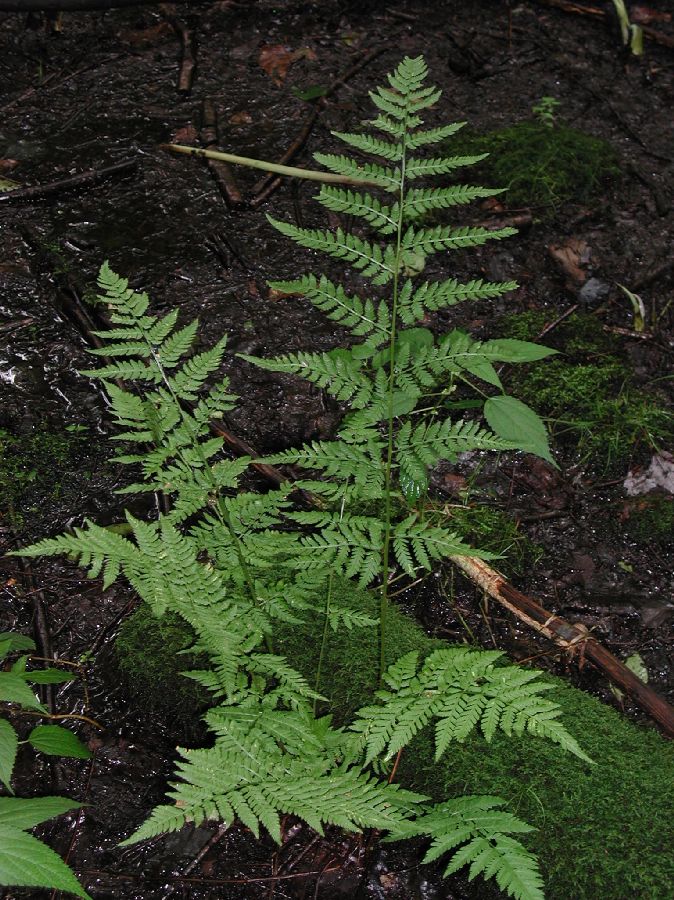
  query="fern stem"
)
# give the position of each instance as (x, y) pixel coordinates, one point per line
(293, 171)
(389, 445)
(324, 640)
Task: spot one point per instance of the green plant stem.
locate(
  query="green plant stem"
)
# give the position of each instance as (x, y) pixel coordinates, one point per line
(276, 168)
(389, 446)
(324, 639)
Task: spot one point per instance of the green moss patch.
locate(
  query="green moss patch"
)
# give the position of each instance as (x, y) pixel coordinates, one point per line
(605, 831)
(588, 393)
(540, 165)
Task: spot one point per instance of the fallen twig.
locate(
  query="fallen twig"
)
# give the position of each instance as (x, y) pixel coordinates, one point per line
(25, 6)
(188, 61)
(564, 634)
(90, 176)
(221, 171)
(267, 185)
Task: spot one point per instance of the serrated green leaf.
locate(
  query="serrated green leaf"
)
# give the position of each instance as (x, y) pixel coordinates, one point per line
(11, 641)
(9, 743)
(515, 421)
(49, 676)
(13, 689)
(514, 351)
(24, 813)
(57, 741)
(26, 862)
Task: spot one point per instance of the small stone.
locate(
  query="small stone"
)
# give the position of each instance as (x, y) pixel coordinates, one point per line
(593, 292)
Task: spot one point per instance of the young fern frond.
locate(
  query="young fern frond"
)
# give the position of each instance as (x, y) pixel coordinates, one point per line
(482, 831)
(461, 688)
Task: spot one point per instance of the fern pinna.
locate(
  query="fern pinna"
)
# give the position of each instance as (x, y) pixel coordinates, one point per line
(233, 562)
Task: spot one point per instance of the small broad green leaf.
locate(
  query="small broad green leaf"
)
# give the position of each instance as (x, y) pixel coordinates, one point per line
(514, 351)
(312, 92)
(49, 676)
(481, 368)
(23, 813)
(9, 743)
(26, 862)
(57, 741)
(13, 689)
(10, 641)
(636, 664)
(19, 665)
(7, 184)
(515, 421)
(413, 488)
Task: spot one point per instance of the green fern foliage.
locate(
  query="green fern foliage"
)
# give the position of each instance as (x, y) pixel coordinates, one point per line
(482, 833)
(461, 689)
(232, 562)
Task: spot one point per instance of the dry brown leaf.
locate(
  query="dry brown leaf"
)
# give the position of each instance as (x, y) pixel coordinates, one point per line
(276, 59)
(185, 135)
(572, 258)
(240, 118)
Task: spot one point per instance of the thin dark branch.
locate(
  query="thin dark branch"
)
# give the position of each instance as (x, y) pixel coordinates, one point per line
(84, 179)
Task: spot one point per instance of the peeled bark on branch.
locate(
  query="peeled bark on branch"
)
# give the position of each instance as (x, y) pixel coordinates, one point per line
(570, 637)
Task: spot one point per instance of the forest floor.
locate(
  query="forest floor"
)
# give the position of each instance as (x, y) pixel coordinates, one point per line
(591, 540)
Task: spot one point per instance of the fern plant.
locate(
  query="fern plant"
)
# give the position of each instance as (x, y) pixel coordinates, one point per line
(233, 562)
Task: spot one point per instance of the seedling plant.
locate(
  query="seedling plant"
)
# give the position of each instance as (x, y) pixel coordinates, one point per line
(233, 563)
(24, 860)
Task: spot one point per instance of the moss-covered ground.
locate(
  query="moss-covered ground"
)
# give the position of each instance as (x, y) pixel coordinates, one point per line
(605, 832)
(588, 392)
(538, 165)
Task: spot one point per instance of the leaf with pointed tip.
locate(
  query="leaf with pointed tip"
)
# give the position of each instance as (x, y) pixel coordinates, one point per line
(515, 421)
(26, 862)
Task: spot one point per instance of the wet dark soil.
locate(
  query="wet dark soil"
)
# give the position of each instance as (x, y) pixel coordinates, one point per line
(100, 88)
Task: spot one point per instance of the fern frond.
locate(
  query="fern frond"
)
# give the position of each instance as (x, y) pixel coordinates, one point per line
(97, 549)
(361, 462)
(386, 177)
(352, 203)
(190, 377)
(367, 143)
(119, 296)
(419, 201)
(446, 237)
(176, 345)
(417, 543)
(432, 135)
(336, 372)
(418, 167)
(484, 831)
(360, 316)
(367, 258)
(127, 370)
(350, 546)
(436, 295)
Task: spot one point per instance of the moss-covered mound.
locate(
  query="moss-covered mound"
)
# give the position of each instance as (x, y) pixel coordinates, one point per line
(605, 831)
(539, 165)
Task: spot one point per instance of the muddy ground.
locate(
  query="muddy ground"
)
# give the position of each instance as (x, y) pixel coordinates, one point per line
(98, 89)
